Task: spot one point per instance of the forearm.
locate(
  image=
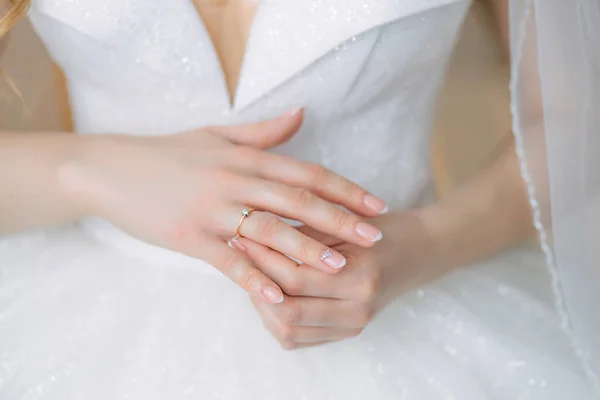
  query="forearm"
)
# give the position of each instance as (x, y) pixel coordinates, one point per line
(31, 193)
(490, 213)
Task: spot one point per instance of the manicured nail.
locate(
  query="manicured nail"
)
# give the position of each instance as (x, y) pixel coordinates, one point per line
(375, 204)
(235, 244)
(293, 112)
(368, 232)
(333, 259)
(272, 294)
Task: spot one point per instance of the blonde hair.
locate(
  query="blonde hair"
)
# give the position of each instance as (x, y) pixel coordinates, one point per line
(17, 11)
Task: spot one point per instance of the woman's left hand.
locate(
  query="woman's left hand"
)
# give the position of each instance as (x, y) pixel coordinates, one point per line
(321, 308)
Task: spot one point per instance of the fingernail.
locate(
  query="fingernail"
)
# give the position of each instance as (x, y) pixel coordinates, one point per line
(368, 232)
(272, 294)
(333, 259)
(375, 204)
(291, 113)
(235, 244)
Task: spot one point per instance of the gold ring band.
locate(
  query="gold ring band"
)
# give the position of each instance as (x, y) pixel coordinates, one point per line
(245, 214)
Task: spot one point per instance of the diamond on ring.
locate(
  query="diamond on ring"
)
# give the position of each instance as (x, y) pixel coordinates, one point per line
(245, 214)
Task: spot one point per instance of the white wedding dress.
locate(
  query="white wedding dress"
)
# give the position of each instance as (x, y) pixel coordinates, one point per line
(88, 313)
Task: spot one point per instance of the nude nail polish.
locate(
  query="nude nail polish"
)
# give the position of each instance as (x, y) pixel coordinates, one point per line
(368, 232)
(376, 204)
(272, 294)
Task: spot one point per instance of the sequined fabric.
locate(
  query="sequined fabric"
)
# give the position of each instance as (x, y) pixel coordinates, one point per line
(87, 312)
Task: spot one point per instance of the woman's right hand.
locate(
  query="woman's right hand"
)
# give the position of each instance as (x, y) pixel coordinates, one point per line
(186, 192)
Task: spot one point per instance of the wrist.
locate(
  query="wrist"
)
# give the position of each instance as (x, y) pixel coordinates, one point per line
(463, 232)
(444, 225)
(416, 237)
(78, 170)
(438, 220)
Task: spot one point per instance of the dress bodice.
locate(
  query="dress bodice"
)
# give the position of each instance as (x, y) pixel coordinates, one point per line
(97, 315)
(367, 72)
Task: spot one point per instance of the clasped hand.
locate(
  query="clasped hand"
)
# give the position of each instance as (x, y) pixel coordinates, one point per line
(321, 308)
(186, 192)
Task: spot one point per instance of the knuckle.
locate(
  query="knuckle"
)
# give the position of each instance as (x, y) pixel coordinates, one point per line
(180, 235)
(269, 225)
(228, 262)
(245, 153)
(264, 257)
(289, 346)
(352, 191)
(368, 289)
(250, 156)
(304, 247)
(290, 315)
(318, 173)
(219, 174)
(301, 198)
(343, 220)
(286, 333)
(365, 315)
(251, 282)
(323, 177)
(272, 190)
(221, 177)
(293, 285)
(258, 304)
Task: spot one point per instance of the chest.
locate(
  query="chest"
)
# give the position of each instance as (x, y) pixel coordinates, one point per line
(304, 52)
(228, 23)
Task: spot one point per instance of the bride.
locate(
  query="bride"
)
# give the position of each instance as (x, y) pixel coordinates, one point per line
(280, 147)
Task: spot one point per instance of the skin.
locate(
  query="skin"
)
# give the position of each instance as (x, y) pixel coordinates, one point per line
(489, 213)
(228, 23)
(185, 192)
(321, 304)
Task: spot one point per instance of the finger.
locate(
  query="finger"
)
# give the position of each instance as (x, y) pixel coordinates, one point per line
(272, 232)
(319, 236)
(237, 267)
(302, 205)
(299, 346)
(290, 336)
(321, 313)
(316, 178)
(264, 134)
(293, 279)
(357, 282)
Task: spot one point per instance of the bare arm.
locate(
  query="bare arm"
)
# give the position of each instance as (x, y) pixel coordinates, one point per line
(31, 193)
(491, 211)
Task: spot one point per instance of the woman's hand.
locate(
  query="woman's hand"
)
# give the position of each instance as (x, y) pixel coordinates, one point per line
(321, 308)
(186, 192)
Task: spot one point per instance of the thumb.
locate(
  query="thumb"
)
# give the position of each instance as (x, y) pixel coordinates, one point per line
(264, 134)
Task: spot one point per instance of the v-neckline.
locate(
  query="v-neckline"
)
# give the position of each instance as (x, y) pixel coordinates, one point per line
(230, 94)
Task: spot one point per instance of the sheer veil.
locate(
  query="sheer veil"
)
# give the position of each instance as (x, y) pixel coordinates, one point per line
(555, 90)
